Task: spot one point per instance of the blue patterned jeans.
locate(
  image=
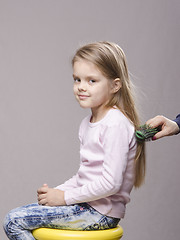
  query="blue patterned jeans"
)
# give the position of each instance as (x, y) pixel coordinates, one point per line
(19, 222)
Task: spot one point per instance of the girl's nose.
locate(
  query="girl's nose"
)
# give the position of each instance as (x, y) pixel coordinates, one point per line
(82, 87)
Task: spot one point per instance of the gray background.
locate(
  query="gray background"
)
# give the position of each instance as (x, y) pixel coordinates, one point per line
(39, 117)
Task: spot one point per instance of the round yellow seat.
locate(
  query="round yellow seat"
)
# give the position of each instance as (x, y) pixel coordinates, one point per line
(58, 234)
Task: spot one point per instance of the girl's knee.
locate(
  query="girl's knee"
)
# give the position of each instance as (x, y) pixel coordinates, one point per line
(9, 221)
(14, 225)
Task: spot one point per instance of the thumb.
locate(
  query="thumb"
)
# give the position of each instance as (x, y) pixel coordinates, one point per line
(45, 185)
(43, 189)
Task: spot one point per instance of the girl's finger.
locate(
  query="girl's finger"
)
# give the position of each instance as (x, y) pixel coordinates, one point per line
(41, 196)
(42, 201)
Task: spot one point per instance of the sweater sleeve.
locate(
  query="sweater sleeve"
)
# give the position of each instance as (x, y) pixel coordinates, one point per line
(116, 148)
(177, 120)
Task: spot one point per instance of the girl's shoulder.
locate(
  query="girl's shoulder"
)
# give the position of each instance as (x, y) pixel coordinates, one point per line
(84, 123)
(86, 120)
(117, 125)
(116, 117)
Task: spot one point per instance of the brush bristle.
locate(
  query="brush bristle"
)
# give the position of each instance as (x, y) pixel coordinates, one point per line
(145, 132)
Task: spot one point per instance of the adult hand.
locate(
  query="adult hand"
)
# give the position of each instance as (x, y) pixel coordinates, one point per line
(50, 196)
(168, 127)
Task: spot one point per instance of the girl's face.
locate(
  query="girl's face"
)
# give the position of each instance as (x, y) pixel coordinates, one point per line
(91, 88)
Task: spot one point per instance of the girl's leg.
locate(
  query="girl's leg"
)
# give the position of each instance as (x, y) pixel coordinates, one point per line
(21, 221)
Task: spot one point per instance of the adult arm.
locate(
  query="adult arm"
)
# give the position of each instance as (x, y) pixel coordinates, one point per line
(177, 120)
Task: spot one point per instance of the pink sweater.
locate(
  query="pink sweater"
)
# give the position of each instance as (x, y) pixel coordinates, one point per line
(106, 174)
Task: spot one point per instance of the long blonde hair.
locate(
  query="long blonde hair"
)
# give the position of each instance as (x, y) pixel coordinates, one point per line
(111, 61)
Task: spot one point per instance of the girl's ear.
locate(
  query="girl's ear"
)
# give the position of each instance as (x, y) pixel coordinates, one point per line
(116, 85)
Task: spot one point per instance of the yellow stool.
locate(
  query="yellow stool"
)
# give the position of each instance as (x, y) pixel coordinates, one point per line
(58, 234)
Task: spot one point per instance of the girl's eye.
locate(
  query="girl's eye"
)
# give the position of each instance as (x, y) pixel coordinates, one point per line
(92, 81)
(77, 80)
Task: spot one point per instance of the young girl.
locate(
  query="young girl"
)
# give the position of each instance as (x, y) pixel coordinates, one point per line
(112, 162)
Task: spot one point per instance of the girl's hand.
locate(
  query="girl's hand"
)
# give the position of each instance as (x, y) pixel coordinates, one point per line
(50, 196)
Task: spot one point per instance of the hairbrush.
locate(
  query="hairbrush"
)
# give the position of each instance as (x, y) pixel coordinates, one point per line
(145, 132)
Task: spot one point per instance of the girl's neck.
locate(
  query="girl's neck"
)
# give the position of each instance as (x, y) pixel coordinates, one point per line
(99, 114)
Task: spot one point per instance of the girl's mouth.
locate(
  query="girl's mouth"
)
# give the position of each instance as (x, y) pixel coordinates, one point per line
(82, 97)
